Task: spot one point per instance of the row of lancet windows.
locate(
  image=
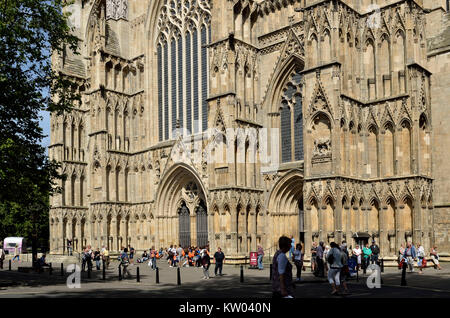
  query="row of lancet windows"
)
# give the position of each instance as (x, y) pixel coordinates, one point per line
(183, 83)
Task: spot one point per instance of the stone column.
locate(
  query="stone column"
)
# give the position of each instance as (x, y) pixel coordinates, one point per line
(417, 226)
(308, 234)
(105, 236)
(322, 229)
(234, 229)
(114, 234)
(399, 227)
(383, 239)
(338, 216)
(253, 232)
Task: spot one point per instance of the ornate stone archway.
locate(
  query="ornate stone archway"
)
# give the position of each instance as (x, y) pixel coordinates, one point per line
(181, 209)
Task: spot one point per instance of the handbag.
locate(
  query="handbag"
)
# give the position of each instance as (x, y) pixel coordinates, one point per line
(424, 262)
(400, 265)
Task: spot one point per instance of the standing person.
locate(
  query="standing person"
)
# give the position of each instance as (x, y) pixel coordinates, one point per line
(421, 258)
(97, 258)
(179, 255)
(297, 258)
(282, 284)
(367, 253)
(325, 255)
(345, 271)
(88, 257)
(356, 252)
(375, 253)
(260, 257)
(132, 252)
(401, 252)
(435, 257)
(105, 256)
(292, 249)
(83, 259)
(313, 256)
(124, 262)
(219, 256)
(410, 256)
(206, 262)
(69, 247)
(319, 260)
(335, 260)
(16, 253)
(2, 255)
(153, 258)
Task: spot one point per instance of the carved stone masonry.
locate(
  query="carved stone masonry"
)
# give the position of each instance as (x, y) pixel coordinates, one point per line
(116, 9)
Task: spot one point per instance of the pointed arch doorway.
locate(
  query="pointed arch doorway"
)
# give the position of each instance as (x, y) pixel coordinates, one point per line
(182, 209)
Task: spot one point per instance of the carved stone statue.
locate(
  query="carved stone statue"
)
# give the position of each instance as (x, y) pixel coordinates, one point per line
(322, 147)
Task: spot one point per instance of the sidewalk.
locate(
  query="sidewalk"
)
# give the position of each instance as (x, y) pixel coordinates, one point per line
(256, 284)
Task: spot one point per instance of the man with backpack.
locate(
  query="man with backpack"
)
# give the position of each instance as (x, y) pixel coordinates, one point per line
(375, 253)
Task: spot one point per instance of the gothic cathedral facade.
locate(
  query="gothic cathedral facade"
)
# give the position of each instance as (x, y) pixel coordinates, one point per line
(184, 101)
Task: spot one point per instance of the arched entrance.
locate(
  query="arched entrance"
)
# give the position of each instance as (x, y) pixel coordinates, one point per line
(181, 209)
(285, 208)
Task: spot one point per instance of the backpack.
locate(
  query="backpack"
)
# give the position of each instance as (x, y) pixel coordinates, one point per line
(330, 258)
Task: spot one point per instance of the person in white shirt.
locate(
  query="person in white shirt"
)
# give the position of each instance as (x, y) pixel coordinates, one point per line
(357, 253)
(421, 257)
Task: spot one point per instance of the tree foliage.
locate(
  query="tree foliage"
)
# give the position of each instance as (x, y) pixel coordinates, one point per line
(31, 31)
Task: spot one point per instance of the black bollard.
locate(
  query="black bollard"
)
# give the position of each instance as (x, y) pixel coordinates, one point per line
(138, 278)
(104, 271)
(364, 267)
(50, 271)
(382, 265)
(403, 282)
(242, 274)
(357, 273)
(9, 265)
(270, 275)
(62, 269)
(89, 271)
(157, 275)
(178, 276)
(120, 273)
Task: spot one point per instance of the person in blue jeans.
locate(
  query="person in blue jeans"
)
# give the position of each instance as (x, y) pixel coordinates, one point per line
(260, 257)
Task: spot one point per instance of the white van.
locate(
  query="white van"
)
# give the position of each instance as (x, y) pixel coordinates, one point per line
(10, 243)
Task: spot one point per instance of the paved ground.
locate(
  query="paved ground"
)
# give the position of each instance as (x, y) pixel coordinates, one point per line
(432, 284)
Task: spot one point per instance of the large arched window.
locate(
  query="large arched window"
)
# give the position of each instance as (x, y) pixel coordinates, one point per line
(184, 33)
(291, 116)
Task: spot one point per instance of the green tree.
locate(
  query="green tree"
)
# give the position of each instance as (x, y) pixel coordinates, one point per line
(31, 31)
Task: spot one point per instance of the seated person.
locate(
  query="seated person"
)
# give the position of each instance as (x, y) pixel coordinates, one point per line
(144, 256)
(41, 262)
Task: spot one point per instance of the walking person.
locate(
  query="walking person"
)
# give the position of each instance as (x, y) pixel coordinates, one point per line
(375, 253)
(83, 259)
(325, 254)
(282, 284)
(132, 252)
(124, 262)
(219, 256)
(410, 256)
(153, 258)
(435, 257)
(297, 258)
(401, 252)
(206, 262)
(16, 253)
(334, 274)
(260, 254)
(88, 256)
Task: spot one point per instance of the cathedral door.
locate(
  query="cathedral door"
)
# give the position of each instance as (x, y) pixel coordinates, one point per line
(184, 226)
(202, 225)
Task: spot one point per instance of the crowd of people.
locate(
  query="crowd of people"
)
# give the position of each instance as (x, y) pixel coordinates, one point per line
(336, 262)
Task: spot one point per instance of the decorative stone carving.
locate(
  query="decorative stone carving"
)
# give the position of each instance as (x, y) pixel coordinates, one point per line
(116, 9)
